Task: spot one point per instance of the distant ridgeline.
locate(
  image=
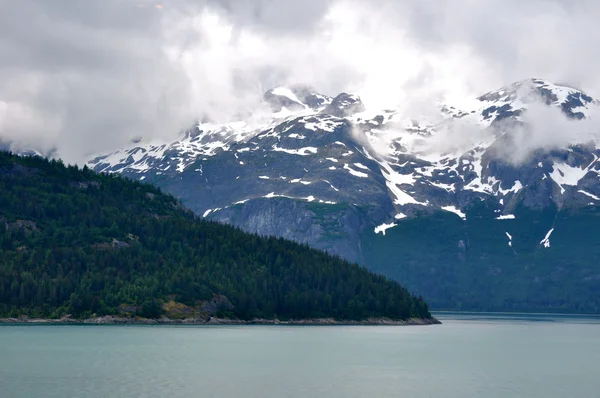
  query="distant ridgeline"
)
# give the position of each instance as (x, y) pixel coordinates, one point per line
(76, 242)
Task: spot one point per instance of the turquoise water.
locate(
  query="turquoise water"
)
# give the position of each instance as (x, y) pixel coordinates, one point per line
(467, 356)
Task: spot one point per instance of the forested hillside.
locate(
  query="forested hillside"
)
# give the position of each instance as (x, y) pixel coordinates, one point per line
(80, 243)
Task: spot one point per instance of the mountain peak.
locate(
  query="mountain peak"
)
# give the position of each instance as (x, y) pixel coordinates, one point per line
(530, 90)
(344, 104)
(513, 99)
(296, 97)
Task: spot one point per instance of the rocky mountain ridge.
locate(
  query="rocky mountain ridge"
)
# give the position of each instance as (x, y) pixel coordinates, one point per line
(335, 138)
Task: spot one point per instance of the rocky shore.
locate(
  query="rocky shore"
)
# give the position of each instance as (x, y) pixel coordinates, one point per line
(115, 320)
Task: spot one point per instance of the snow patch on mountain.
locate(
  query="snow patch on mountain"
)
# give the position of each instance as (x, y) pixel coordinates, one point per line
(454, 210)
(509, 236)
(506, 217)
(393, 181)
(286, 92)
(383, 227)
(589, 194)
(355, 172)
(301, 151)
(546, 241)
(322, 124)
(564, 174)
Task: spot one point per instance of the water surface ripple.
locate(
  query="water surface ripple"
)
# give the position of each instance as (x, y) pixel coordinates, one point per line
(468, 356)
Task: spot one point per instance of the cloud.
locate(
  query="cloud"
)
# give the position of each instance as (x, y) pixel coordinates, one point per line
(86, 77)
(545, 128)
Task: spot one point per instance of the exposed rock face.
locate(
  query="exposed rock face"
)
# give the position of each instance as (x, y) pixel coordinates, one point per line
(344, 105)
(24, 226)
(85, 184)
(116, 244)
(217, 304)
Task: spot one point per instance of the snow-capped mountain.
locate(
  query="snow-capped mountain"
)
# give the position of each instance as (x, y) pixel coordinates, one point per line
(334, 139)
(329, 172)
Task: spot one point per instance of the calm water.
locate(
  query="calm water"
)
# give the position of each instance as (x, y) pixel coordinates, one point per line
(465, 357)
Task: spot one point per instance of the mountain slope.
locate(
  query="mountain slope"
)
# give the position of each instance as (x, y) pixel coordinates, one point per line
(80, 243)
(356, 182)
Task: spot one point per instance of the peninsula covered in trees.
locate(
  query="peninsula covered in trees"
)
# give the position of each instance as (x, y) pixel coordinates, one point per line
(79, 244)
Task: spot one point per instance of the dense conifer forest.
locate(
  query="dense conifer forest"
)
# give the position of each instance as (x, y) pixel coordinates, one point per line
(80, 243)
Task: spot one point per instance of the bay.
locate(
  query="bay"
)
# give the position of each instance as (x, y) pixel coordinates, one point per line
(469, 355)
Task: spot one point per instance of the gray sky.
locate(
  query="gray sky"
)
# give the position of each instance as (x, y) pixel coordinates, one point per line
(87, 76)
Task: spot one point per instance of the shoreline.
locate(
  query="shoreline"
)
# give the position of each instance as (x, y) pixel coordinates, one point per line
(114, 320)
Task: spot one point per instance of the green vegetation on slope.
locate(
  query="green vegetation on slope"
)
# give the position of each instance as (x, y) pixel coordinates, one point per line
(75, 242)
(469, 265)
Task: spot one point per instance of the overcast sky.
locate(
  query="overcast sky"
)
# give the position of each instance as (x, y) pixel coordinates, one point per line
(87, 76)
